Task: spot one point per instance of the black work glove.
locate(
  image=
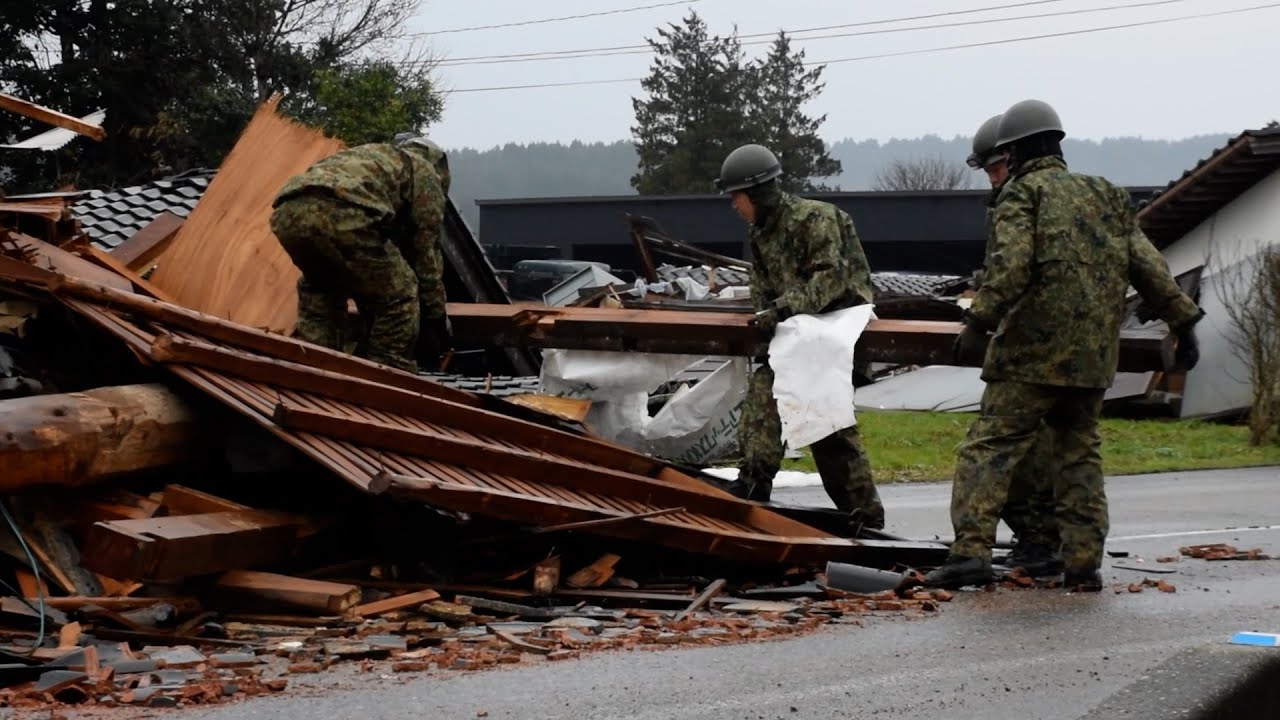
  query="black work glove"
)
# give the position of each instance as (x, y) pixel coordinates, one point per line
(1188, 352)
(970, 342)
(435, 338)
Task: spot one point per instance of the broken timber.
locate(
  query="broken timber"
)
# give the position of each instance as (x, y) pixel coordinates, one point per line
(51, 117)
(182, 546)
(385, 431)
(900, 342)
(81, 438)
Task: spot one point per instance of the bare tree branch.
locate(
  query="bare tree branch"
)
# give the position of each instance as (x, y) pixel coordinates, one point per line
(927, 173)
(1250, 293)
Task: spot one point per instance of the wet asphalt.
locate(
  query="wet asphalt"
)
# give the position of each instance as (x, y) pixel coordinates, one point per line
(1006, 654)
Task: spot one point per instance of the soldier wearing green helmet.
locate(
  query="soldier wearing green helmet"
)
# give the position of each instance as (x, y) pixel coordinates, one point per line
(807, 260)
(1064, 249)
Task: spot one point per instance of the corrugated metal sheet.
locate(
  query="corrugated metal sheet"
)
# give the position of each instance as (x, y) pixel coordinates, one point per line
(58, 137)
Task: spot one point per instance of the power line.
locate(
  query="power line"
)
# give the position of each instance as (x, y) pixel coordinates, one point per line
(923, 51)
(884, 31)
(864, 23)
(562, 18)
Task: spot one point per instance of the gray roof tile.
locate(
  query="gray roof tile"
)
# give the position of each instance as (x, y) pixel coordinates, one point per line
(113, 216)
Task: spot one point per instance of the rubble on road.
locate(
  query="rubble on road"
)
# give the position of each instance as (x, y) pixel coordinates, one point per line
(198, 506)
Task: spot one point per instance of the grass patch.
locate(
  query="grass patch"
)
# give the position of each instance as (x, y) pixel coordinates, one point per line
(920, 446)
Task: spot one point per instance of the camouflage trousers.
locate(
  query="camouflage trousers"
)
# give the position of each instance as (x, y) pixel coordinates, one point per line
(842, 462)
(1030, 511)
(999, 441)
(342, 254)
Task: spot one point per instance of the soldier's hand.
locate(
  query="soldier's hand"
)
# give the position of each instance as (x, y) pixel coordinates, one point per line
(767, 321)
(978, 277)
(969, 345)
(435, 339)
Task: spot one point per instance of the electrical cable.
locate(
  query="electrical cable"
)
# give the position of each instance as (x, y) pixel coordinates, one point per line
(35, 570)
(901, 53)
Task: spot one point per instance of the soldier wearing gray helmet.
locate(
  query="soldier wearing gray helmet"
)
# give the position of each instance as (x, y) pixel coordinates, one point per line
(1064, 251)
(807, 260)
(1029, 511)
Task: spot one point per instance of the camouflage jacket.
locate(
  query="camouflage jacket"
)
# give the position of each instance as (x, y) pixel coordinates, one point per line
(1065, 248)
(402, 194)
(807, 259)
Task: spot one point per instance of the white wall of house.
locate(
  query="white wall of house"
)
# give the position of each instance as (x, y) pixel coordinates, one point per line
(1224, 243)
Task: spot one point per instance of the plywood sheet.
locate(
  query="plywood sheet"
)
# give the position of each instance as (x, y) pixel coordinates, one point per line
(225, 261)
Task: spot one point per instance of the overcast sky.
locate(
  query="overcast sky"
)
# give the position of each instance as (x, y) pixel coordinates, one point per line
(1157, 81)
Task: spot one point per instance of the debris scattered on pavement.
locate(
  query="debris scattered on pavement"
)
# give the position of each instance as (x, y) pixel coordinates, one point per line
(1222, 551)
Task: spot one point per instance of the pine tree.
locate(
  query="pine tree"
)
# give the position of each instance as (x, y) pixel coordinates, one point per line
(697, 111)
(785, 86)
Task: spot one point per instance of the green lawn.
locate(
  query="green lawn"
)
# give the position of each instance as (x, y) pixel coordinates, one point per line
(920, 446)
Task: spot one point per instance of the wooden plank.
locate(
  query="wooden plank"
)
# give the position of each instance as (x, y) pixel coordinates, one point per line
(166, 548)
(28, 585)
(87, 437)
(244, 276)
(148, 242)
(398, 602)
(53, 258)
(299, 592)
(215, 329)
(917, 342)
(105, 260)
(595, 574)
(50, 117)
(182, 500)
(572, 409)
(69, 636)
(705, 597)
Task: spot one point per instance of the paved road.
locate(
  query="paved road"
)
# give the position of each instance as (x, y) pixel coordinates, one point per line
(1028, 654)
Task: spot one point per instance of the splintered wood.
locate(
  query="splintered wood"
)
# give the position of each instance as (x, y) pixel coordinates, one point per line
(224, 260)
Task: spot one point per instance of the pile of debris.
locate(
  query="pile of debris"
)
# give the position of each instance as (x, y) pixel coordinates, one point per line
(199, 506)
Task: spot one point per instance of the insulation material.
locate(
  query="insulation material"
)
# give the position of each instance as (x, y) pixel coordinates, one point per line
(812, 361)
(225, 261)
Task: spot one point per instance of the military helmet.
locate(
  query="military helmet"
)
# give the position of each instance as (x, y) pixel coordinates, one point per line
(433, 153)
(747, 167)
(1026, 118)
(984, 144)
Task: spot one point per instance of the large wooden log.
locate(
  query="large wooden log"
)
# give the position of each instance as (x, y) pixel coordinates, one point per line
(81, 438)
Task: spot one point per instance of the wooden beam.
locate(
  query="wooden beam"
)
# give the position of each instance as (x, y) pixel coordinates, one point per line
(51, 117)
(167, 548)
(51, 257)
(76, 439)
(907, 342)
(298, 592)
(149, 242)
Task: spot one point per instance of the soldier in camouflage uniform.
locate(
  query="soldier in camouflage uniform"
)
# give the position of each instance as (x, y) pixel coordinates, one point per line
(1065, 249)
(807, 261)
(365, 223)
(1029, 511)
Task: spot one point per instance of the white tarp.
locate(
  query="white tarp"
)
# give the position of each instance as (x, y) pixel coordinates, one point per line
(812, 361)
(57, 137)
(696, 425)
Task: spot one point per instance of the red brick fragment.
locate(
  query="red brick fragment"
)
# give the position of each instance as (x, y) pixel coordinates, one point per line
(410, 666)
(1165, 587)
(302, 668)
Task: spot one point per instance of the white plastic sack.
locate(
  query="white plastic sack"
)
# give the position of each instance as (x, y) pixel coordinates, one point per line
(812, 361)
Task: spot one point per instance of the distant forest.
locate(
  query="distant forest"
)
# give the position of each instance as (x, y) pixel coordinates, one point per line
(556, 169)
